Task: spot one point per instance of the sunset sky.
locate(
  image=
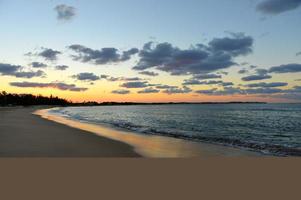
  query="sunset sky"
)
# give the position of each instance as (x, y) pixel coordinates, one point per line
(152, 50)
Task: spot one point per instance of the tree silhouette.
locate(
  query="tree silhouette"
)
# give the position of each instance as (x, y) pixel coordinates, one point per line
(7, 99)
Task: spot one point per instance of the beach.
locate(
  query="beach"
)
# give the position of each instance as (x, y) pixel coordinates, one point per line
(24, 133)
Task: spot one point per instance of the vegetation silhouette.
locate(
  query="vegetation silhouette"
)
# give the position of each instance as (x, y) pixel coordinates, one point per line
(7, 99)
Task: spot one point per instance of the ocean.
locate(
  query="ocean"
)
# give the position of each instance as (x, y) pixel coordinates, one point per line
(271, 129)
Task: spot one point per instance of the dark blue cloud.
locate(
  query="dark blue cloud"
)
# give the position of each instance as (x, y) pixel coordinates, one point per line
(207, 76)
(17, 71)
(61, 67)
(148, 91)
(256, 77)
(176, 90)
(38, 65)
(274, 7)
(59, 86)
(46, 53)
(243, 71)
(267, 85)
(65, 12)
(100, 57)
(135, 84)
(200, 59)
(123, 92)
(86, 77)
(148, 73)
(289, 68)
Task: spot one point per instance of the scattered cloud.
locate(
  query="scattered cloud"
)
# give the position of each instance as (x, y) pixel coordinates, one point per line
(61, 67)
(261, 74)
(17, 71)
(274, 7)
(237, 91)
(159, 86)
(206, 76)
(38, 65)
(200, 59)
(148, 91)
(148, 73)
(243, 71)
(177, 90)
(267, 85)
(100, 57)
(212, 82)
(127, 79)
(86, 77)
(123, 92)
(135, 84)
(46, 53)
(197, 82)
(256, 77)
(65, 12)
(289, 68)
(55, 85)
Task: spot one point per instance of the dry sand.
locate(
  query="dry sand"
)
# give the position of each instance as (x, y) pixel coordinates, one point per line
(23, 134)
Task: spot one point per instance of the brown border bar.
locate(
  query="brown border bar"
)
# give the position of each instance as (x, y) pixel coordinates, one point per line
(212, 178)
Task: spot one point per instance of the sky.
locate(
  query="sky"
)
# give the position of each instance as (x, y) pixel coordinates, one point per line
(152, 50)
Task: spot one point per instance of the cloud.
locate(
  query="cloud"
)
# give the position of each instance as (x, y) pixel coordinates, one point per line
(207, 92)
(123, 92)
(243, 71)
(17, 71)
(199, 59)
(29, 74)
(159, 86)
(256, 77)
(65, 12)
(289, 68)
(100, 57)
(55, 85)
(176, 90)
(212, 82)
(207, 76)
(86, 77)
(237, 91)
(226, 84)
(239, 44)
(263, 91)
(298, 54)
(274, 7)
(135, 84)
(127, 79)
(38, 65)
(148, 73)
(267, 85)
(46, 53)
(197, 82)
(61, 67)
(148, 91)
(261, 74)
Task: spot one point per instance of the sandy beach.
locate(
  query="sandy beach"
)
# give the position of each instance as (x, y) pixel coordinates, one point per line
(23, 134)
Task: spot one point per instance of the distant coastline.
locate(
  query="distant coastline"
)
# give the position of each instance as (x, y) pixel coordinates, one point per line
(9, 99)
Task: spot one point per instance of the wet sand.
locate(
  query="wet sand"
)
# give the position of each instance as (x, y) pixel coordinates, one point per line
(151, 146)
(23, 134)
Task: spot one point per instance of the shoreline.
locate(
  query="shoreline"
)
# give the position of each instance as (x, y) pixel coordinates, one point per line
(152, 146)
(25, 135)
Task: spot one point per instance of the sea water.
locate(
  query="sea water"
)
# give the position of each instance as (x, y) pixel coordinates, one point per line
(273, 129)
